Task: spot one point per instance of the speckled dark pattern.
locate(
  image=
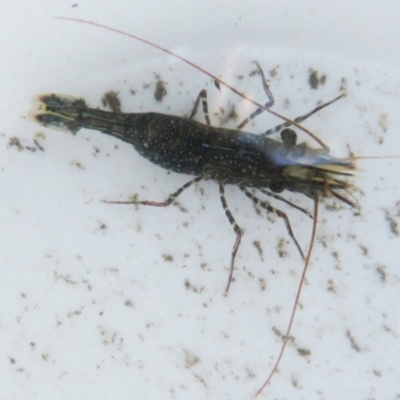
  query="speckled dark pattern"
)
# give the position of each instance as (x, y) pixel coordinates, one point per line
(224, 155)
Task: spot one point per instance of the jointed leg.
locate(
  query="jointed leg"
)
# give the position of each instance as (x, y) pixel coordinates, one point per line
(171, 198)
(203, 98)
(269, 104)
(279, 213)
(300, 119)
(280, 198)
(237, 230)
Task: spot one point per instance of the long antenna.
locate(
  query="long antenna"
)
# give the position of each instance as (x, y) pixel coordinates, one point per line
(296, 301)
(220, 81)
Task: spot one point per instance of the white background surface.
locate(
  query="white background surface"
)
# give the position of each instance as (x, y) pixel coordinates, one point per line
(92, 313)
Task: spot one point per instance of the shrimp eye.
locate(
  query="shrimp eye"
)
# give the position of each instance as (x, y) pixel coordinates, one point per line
(277, 186)
(289, 138)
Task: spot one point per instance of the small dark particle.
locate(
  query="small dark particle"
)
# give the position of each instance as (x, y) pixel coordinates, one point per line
(343, 85)
(193, 288)
(304, 352)
(179, 205)
(160, 91)
(191, 359)
(134, 198)
(351, 154)
(333, 207)
(33, 149)
(277, 332)
(273, 72)
(111, 100)
(331, 286)
(263, 284)
(38, 145)
(286, 103)
(382, 273)
(363, 249)
(74, 313)
(232, 115)
(393, 225)
(314, 80)
(250, 274)
(254, 72)
(77, 164)
(217, 85)
(250, 373)
(168, 257)
(353, 342)
(383, 121)
(66, 278)
(257, 245)
(128, 303)
(281, 248)
(15, 142)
